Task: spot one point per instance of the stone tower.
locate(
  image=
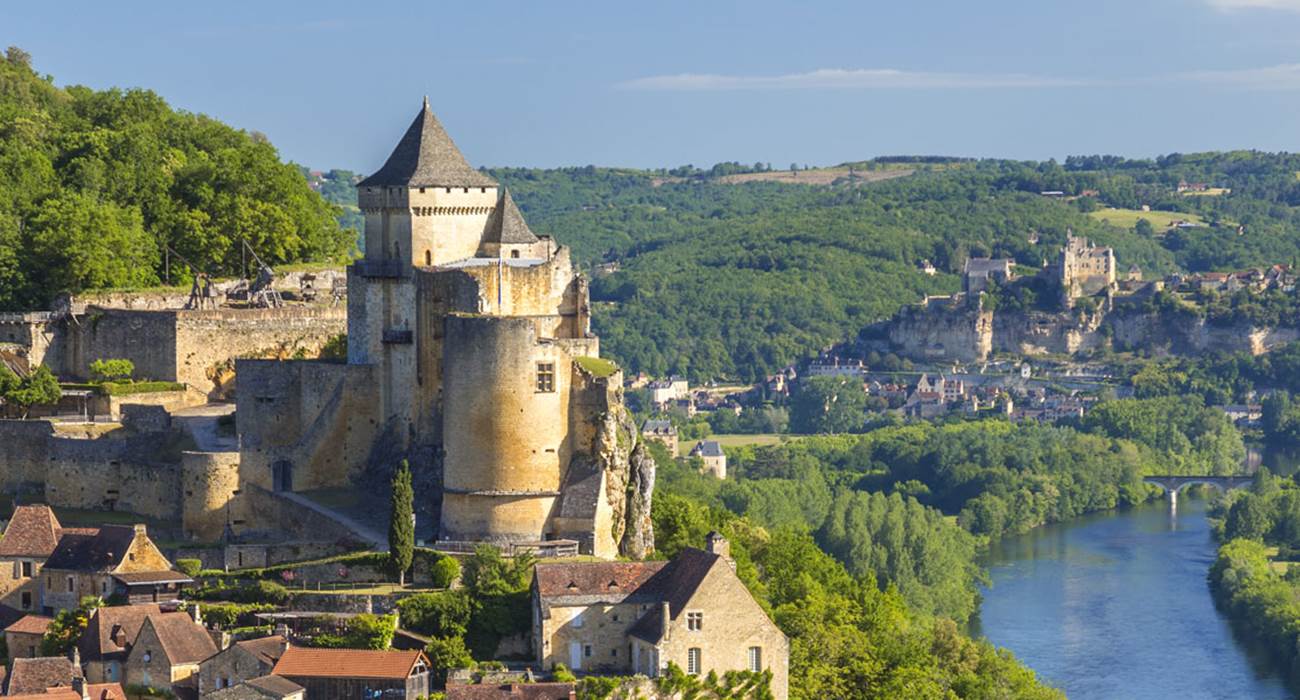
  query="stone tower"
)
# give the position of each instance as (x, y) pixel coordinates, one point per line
(476, 332)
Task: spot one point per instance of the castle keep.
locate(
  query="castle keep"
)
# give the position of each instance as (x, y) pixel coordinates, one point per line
(470, 352)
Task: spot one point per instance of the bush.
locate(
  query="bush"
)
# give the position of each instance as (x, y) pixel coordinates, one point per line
(562, 674)
(189, 567)
(112, 369)
(253, 592)
(444, 614)
(232, 616)
(444, 572)
(447, 655)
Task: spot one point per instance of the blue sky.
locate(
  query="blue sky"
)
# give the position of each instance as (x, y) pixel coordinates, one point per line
(666, 83)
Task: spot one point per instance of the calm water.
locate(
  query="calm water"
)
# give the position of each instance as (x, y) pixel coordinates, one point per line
(1116, 606)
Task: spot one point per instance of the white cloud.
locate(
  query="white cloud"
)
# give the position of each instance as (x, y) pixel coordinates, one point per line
(1285, 76)
(845, 79)
(1235, 5)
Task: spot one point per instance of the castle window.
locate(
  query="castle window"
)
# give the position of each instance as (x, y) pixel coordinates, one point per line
(695, 621)
(545, 376)
(756, 659)
(693, 661)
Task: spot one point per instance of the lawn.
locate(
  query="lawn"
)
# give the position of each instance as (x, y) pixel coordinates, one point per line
(1128, 218)
(760, 439)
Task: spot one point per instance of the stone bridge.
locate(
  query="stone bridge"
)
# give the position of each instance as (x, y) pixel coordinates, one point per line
(1172, 483)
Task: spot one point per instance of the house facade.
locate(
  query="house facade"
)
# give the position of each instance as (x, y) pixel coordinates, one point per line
(241, 661)
(167, 650)
(110, 560)
(715, 460)
(639, 617)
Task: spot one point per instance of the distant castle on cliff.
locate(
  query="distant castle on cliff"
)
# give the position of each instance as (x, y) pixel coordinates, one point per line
(470, 352)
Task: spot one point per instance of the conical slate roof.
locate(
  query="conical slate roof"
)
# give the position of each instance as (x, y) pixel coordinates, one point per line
(506, 224)
(426, 157)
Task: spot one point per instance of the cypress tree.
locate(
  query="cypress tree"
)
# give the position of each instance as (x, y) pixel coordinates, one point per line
(401, 524)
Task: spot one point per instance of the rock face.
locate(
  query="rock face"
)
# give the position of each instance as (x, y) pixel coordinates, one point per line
(939, 330)
(629, 476)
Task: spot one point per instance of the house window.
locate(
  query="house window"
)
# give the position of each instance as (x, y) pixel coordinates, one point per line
(148, 655)
(69, 584)
(428, 258)
(27, 569)
(693, 661)
(27, 600)
(613, 652)
(756, 659)
(103, 586)
(546, 376)
(586, 651)
(695, 621)
(514, 253)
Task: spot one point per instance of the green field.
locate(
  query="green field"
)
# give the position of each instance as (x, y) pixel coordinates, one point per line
(1128, 218)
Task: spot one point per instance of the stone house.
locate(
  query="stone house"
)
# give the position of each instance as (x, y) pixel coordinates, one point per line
(715, 460)
(107, 639)
(23, 638)
(666, 391)
(343, 674)
(661, 430)
(978, 272)
(262, 688)
(241, 661)
(638, 617)
(511, 691)
(167, 651)
(111, 560)
(32, 535)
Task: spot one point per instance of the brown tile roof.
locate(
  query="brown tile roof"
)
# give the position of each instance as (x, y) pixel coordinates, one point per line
(97, 641)
(183, 641)
(266, 649)
(302, 662)
(101, 551)
(35, 675)
(274, 685)
(96, 691)
(31, 624)
(33, 531)
(513, 691)
(604, 578)
(506, 224)
(426, 156)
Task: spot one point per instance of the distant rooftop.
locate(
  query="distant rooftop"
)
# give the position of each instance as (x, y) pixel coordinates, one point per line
(427, 157)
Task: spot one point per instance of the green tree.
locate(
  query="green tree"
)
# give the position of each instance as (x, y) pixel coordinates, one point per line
(829, 404)
(68, 626)
(1249, 518)
(444, 571)
(37, 388)
(401, 523)
(447, 654)
(112, 369)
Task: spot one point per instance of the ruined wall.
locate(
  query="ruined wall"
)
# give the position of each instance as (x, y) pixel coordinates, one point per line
(147, 338)
(33, 337)
(319, 417)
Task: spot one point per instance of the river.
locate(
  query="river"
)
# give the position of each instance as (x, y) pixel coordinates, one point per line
(1116, 606)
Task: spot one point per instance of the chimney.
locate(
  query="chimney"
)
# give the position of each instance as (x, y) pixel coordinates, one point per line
(196, 614)
(717, 544)
(141, 529)
(664, 620)
(79, 687)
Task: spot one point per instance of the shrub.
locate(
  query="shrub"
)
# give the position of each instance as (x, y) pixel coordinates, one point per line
(232, 616)
(444, 572)
(112, 369)
(445, 655)
(444, 614)
(253, 592)
(562, 674)
(189, 567)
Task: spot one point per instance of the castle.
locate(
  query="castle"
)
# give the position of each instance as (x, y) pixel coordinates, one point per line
(469, 352)
(1083, 269)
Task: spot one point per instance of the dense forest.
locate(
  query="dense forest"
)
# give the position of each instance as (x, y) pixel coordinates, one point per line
(718, 280)
(95, 186)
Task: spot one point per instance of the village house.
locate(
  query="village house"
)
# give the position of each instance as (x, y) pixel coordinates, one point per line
(78, 689)
(261, 688)
(666, 391)
(660, 430)
(30, 538)
(23, 638)
(978, 272)
(343, 674)
(639, 617)
(107, 639)
(113, 560)
(167, 650)
(244, 660)
(715, 460)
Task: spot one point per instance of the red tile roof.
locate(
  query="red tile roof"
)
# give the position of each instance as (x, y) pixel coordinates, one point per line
(31, 624)
(96, 691)
(36, 675)
(302, 662)
(594, 578)
(33, 531)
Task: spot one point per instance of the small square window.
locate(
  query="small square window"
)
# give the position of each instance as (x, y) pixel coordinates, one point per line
(546, 377)
(695, 621)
